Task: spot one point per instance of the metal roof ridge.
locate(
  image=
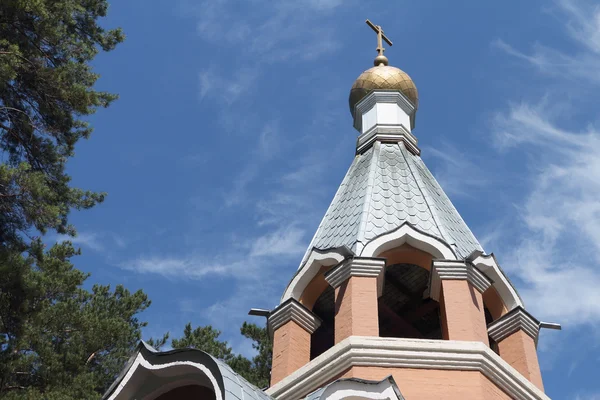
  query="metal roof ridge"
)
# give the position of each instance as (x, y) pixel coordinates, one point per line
(333, 200)
(426, 196)
(368, 195)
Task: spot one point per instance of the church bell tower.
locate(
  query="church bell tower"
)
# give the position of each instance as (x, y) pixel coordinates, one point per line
(395, 298)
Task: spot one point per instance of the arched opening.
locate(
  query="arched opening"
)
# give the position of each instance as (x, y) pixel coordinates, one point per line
(324, 337)
(188, 392)
(488, 320)
(403, 309)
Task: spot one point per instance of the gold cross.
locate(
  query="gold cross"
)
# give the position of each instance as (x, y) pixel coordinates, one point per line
(380, 36)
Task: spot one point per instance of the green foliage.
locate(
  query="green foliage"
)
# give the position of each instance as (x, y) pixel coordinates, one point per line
(57, 340)
(257, 371)
(46, 89)
(158, 343)
(204, 338)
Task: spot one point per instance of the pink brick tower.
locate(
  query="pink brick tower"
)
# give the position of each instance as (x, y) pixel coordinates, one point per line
(395, 297)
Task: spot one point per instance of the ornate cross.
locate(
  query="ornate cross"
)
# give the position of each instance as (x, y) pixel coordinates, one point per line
(380, 36)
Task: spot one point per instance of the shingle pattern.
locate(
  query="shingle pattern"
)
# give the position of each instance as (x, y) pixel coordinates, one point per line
(385, 187)
(396, 196)
(236, 387)
(342, 221)
(455, 230)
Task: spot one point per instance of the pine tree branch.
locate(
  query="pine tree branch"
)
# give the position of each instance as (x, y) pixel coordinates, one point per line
(92, 356)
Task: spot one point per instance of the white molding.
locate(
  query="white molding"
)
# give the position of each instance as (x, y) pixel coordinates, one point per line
(489, 266)
(141, 361)
(512, 322)
(358, 266)
(311, 268)
(352, 389)
(406, 233)
(383, 96)
(387, 133)
(293, 311)
(405, 353)
(456, 270)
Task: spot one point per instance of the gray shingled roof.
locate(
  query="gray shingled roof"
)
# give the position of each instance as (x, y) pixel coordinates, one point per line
(236, 387)
(232, 385)
(385, 187)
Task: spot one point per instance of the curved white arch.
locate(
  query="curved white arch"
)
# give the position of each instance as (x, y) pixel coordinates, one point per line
(406, 233)
(316, 259)
(350, 389)
(140, 361)
(489, 266)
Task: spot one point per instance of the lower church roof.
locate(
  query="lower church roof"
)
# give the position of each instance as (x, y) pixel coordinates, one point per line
(146, 361)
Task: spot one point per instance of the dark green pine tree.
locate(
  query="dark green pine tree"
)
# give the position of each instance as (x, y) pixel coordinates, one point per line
(46, 89)
(57, 340)
(257, 371)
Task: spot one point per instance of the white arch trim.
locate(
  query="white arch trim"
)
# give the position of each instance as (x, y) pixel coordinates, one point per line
(360, 390)
(488, 265)
(316, 259)
(406, 233)
(140, 361)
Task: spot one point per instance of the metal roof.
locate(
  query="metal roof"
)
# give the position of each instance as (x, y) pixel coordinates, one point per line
(385, 187)
(232, 385)
(236, 387)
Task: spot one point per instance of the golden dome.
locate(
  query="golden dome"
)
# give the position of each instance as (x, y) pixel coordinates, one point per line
(383, 77)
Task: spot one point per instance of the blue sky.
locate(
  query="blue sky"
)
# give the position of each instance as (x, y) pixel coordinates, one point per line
(232, 133)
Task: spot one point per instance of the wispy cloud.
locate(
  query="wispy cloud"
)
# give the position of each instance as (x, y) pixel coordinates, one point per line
(228, 88)
(582, 24)
(96, 241)
(89, 240)
(265, 150)
(458, 172)
(259, 261)
(275, 31)
(561, 217)
(287, 241)
(587, 396)
(557, 238)
(175, 267)
(257, 33)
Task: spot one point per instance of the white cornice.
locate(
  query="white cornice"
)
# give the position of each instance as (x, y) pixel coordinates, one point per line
(405, 353)
(383, 96)
(385, 133)
(456, 270)
(292, 310)
(358, 266)
(517, 319)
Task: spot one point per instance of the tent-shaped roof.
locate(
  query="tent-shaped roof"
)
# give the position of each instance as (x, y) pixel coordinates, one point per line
(385, 187)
